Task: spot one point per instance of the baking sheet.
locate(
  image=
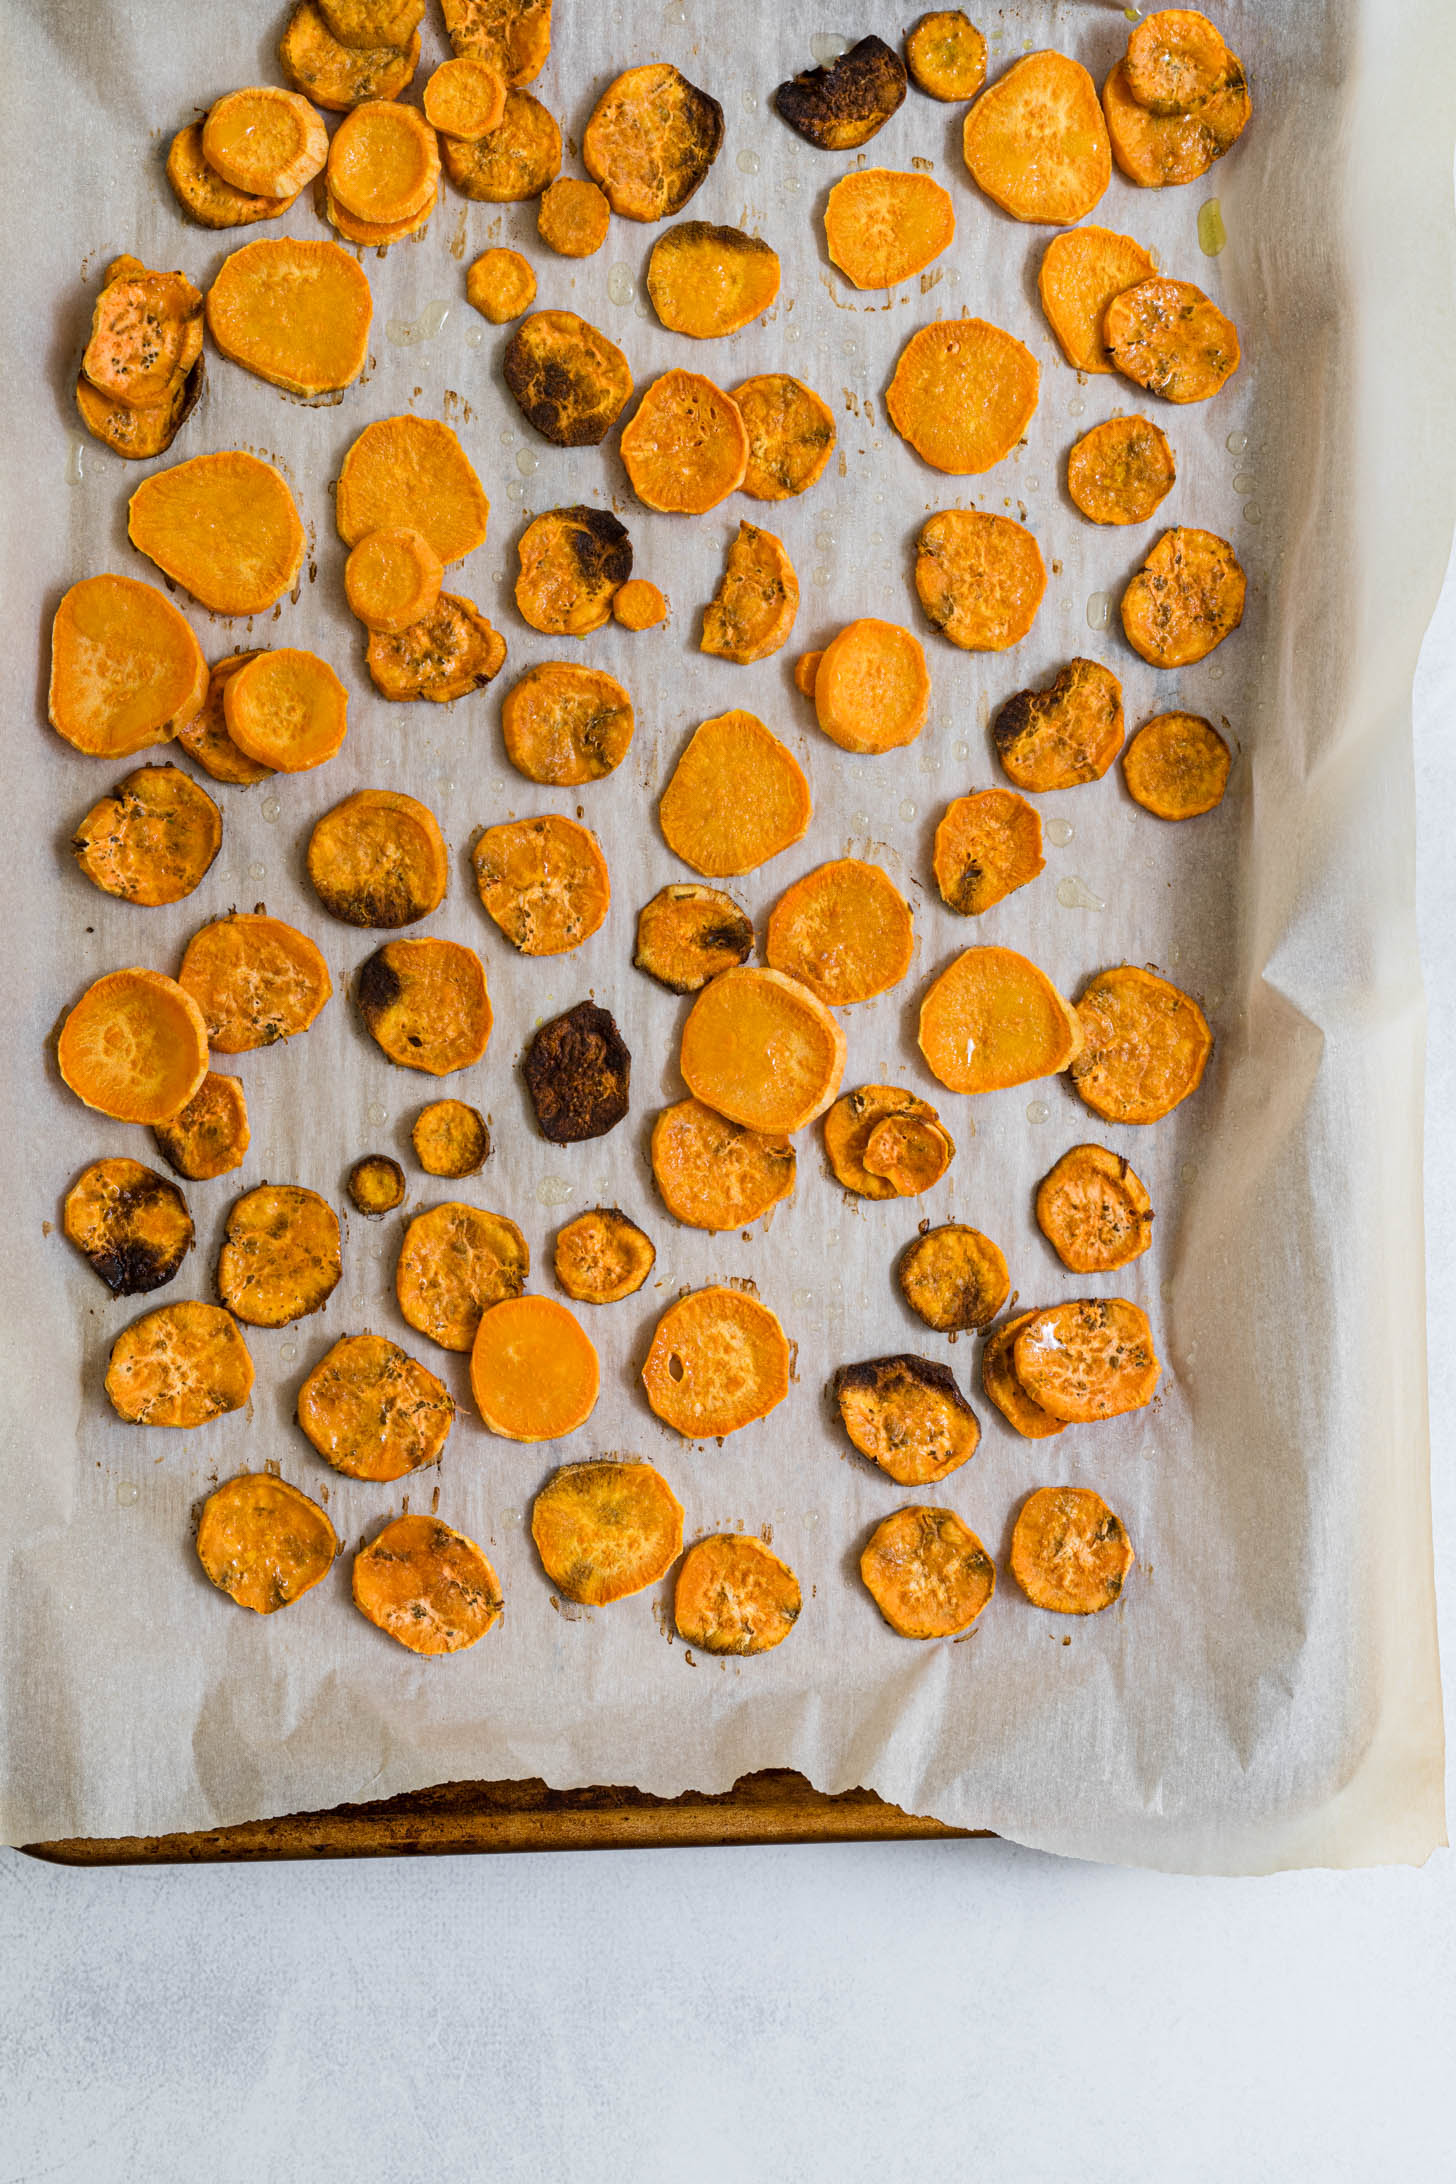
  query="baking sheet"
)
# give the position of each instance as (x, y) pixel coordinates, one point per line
(1266, 1693)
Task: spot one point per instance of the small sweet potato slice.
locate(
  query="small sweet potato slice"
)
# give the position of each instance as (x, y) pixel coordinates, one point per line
(946, 55)
(708, 281)
(377, 234)
(1169, 337)
(736, 798)
(853, 1120)
(1145, 1045)
(1080, 274)
(180, 1366)
(602, 1257)
(224, 527)
(450, 1138)
(883, 227)
(264, 1543)
(908, 1416)
(752, 612)
(790, 435)
(1177, 766)
(1036, 142)
(152, 840)
(1093, 1211)
(650, 141)
(565, 725)
(715, 1174)
(1158, 151)
(533, 1370)
(373, 1411)
(378, 859)
(466, 97)
(126, 670)
(205, 738)
(1121, 470)
(686, 447)
(763, 1050)
(963, 394)
(392, 579)
(544, 882)
(687, 934)
(454, 1263)
(255, 981)
(265, 141)
(209, 1136)
(606, 1529)
(909, 1152)
(286, 710)
(1177, 61)
(927, 1573)
(281, 1257)
(427, 1586)
(573, 562)
(1070, 733)
(1185, 598)
(337, 76)
(134, 1046)
(806, 672)
(130, 1222)
(425, 1004)
(294, 313)
(202, 193)
(1069, 1553)
(500, 285)
(992, 1019)
(638, 605)
(1000, 1384)
(384, 162)
(411, 472)
(840, 107)
(844, 931)
(568, 380)
(578, 1071)
(980, 578)
(451, 652)
(986, 846)
(136, 435)
(719, 1360)
(514, 33)
(734, 1595)
(573, 217)
(373, 22)
(954, 1278)
(872, 687)
(1087, 1359)
(146, 334)
(515, 162)
(375, 1185)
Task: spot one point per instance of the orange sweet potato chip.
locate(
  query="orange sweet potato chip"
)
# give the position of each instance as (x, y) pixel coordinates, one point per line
(857, 1117)
(736, 798)
(1185, 599)
(686, 447)
(708, 281)
(715, 1174)
(265, 141)
(687, 934)
(392, 579)
(134, 1046)
(1056, 738)
(763, 1050)
(790, 435)
(606, 1529)
(126, 670)
(1069, 1553)
(1120, 471)
(986, 846)
(500, 285)
(281, 1259)
(1177, 766)
(1145, 1045)
(426, 1004)
(448, 653)
(908, 1416)
(565, 725)
(466, 97)
(264, 1543)
(1170, 338)
(378, 859)
(1087, 1359)
(375, 1185)
(206, 737)
(954, 1278)
(295, 313)
(872, 687)
(963, 394)
(638, 605)
(992, 1019)
(209, 1136)
(1093, 1211)
(152, 840)
(222, 526)
(337, 76)
(533, 1370)
(1000, 1384)
(286, 709)
(181, 1366)
(202, 193)
(573, 563)
(367, 23)
(568, 380)
(427, 1586)
(514, 162)
(752, 613)
(1158, 151)
(450, 1138)
(383, 162)
(734, 1595)
(254, 979)
(1036, 142)
(412, 471)
(146, 334)
(883, 227)
(544, 882)
(573, 217)
(1177, 61)
(377, 234)
(1080, 274)
(514, 33)
(602, 1257)
(455, 1262)
(719, 1360)
(927, 1573)
(980, 578)
(946, 55)
(650, 141)
(844, 931)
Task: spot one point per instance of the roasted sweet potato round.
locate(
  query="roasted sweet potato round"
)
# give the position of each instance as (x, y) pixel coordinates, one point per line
(953, 1278)
(1093, 1211)
(134, 1046)
(573, 217)
(860, 1116)
(130, 1222)
(1001, 1386)
(254, 979)
(908, 1416)
(763, 1050)
(500, 285)
(1159, 150)
(378, 859)
(205, 738)
(338, 76)
(373, 22)
(568, 380)
(533, 1370)
(708, 281)
(1120, 471)
(425, 1004)
(146, 334)
(844, 931)
(606, 1529)
(1056, 738)
(1185, 598)
(963, 394)
(182, 1366)
(1080, 274)
(872, 687)
(282, 1258)
(751, 615)
(839, 107)
(1177, 61)
(202, 193)
(1177, 766)
(736, 798)
(1036, 143)
(454, 1263)
(374, 1412)
(734, 1595)
(686, 447)
(514, 33)
(927, 1573)
(392, 578)
(602, 1257)
(466, 97)
(1069, 1553)
(715, 1174)
(384, 163)
(980, 578)
(451, 652)
(209, 1136)
(152, 840)
(790, 435)
(126, 670)
(992, 1019)
(264, 1543)
(638, 605)
(411, 472)
(986, 846)
(909, 1152)
(286, 710)
(295, 313)
(375, 1185)
(450, 1138)
(946, 55)
(544, 882)
(264, 140)
(688, 934)
(650, 141)
(1087, 1359)
(573, 563)
(883, 227)
(719, 1361)
(578, 1071)
(427, 1586)
(515, 162)
(1169, 337)
(565, 725)
(1144, 1048)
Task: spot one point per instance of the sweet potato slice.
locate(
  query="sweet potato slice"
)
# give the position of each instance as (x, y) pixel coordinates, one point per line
(379, 859)
(1121, 470)
(1185, 598)
(638, 605)
(392, 579)
(427, 1586)
(872, 687)
(927, 1573)
(515, 162)
(130, 1222)
(1177, 766)
(500, 285)
(265, 141)
(790, 435)
(1145, 1045)
(1087, 1359)
(202, 193)
(883, 227)
(152, 840)
(763, 1050)
(451, 652)
(752, 612)
(374, 1412)
(450, 1138)
(854, 1119)
(578, 1071)
(842, 106)
(294, 313)
(650, 141)
(806, 672)
(909, 1152)
(565, 725)
(224, 527)
(255, 981)
(1169, 337)
(384, 162)
(454, 1263)
(373, 22)
(180, 1366)
(138, 434)
(533, 1370)
(377, 234)
(844, 931)
(1177, 61)
(146, 334)
(1001, 1386)
(1070, 733)
(606, 1529)
(980, 578)
(708, 281)
(281, 1258)
(946, 55)
(412, 472)
(466, 97)
(286, 710)
(602, 1257)
(1080, 274)
(963, 394)
(573, 217)
(736, 798)
(719, 1360)
(338, 76)
(568, 380)
(686, 447)
(544, 882)
(205, 738)
(134, 1046)
(715, 1174)
(375, 1185)
(126, 670)
(992, 1019)
(573, 562)
(908, 1416)
(1069, 1553)
(954, 1278)
(687, 934)
(209, 1136)
(1036, 142)
(986, 846)
(515, 33)
(264, 1543)
(734, 1595)
(1093, 1211)
(1159, 151)
(425, 1004)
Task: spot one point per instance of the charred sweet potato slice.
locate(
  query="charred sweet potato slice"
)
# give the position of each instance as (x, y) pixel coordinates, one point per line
(544, 882)
(379, 859)
(638, 605)
(734, 1595)
(573, 563)
(763, 1050)
(286, 710)
(963, 394)
(281, 1257)
(202, 193)
(573, 217)
(1158, 151)
(606, 1529)
(1087, 1359)
(152, 840)
(853, 1120)
(383, 163)
(844, 931)
(375, 1185)
(686, 447)
(565, 725)
(516, 33)
(466, 97)
(707, 281)
(265, 141)
(883, 227)
(146, 334)
(425, 1004)
(205, 738)
(980, 578)
(209, 1136)
(927, 1573)
(715, 1174)
(338, 76)
(182, 1365)
(451, 652)
(908, 1416)
(909, 1152)
(138, 434)
(736, 798)
(806, 672)
(374, 1412)
(500, 285)
(427, 1586)
(1080, 274)
(1056, 738)
(1001, 1386)
(454, 1263)
(719, 1360)
(602, 1257)
(126, 669)
(1120, 471)
(1177, 61)
(134, 1047)
(1177, 766)
(450, 1138)
(1185, 598)
(840, 107)
(295, 313)
(578, 1071)
(954, 1278)
(533, 1370)
(412, 472)
(224, 527)
(1169, 337)
(514, 162)
(687, 934)
(752, 612)
(392, 579)
(872, 687)
(1036, 142)
(1145, 1045)
(790, 435)
(992, 1019)
(130, 1222)
(1069, 1553)
(255, 981)
(986, 846)
(368, 23)
(1093, 1211)
(946, 55)
(650, 141)
(264, 1543)
(568, 380)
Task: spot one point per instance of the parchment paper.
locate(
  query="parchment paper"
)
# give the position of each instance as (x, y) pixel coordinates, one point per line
(1266, 1694)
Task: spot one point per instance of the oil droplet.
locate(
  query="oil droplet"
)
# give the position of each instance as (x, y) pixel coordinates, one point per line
(128, 1494)
(851, 346)
(510, 1516)
(257, 872)
(641, 310)
(1134, 15)
(909, 811)
(1253, 513)
(747, 161)
(860, 822)
(378, 1115)
(1188, 1171)
(1073, 895)
(507, 437)
(271, 809)
(1236, 442)
(675, 12)
(288, 1352)
(791, 184)
(1099, 610)
(1038, 1112)
(528, 462)
(407, 333)
(1033, 485)
(792, 334)
(825, 540)
(1076, 407)
(474, 335)
(962, 751)
(1215, 673)
(1059, 832)
(803, 1298)
(620, 285)
(811, 1518)
(75, 469)
(1244, 481)
(515, 490)
(826, 47)
(1165, 1288)
(552, 1190)
(832, 1237)
(1212, 234)
(821, 576)
(750, 102)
